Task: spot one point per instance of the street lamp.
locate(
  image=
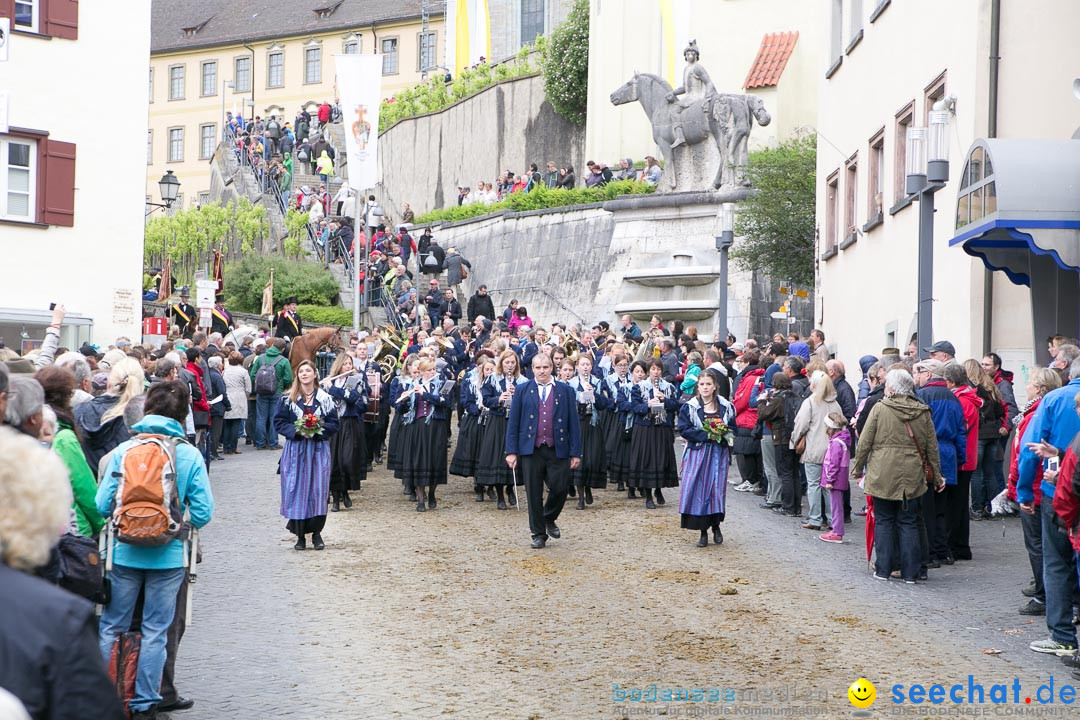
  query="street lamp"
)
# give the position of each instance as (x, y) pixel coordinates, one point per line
(224, 129)
(927, 170)
(169, 187)
(724, 241)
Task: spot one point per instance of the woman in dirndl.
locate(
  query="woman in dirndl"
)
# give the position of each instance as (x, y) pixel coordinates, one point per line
(348, 448)
(617, 424)
(305, 461)
(653, 467)
(497, 393)
(423, 435)
(470, 428)
(405, 379)
(703, 501)
(591, 473)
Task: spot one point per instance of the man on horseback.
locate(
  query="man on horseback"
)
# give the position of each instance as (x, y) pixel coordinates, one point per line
(699, 94)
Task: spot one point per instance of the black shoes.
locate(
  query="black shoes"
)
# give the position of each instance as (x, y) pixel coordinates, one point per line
(491, 492)
(181, 703)
(769, 505)
(703, 541)
(316, 541)
(553, 530)
(660, 497)
(501, 505)
(620, 487)
(511, 497)
(581, 503)
(572, 492)
(538, 542)
(479, 496)
(717, 536)
(588, 495)
(420, 506)
(649, 504)
(431, 503)
(301, 544)
(346, 500)
(335, 506)
(631, 494)
(1033, 607)
(948, 560)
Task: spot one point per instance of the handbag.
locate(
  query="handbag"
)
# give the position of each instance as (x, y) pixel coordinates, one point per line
(464, 271)
(928, 472)
(77, 566)
(800, 445)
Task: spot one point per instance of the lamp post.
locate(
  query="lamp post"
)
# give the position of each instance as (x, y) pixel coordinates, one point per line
(169, 187)
(927, 170)
(724, 241)
(224, 129)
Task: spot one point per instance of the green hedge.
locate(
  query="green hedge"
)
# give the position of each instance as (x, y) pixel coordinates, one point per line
(309, 282)
(324, 315)
(539, 199)
(566, 65)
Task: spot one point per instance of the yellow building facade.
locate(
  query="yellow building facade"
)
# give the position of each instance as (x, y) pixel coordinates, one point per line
(192, 88)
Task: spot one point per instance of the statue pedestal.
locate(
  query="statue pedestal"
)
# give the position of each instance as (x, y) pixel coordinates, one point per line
(695, 168)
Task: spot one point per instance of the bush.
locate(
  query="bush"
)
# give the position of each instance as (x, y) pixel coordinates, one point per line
(323, 315)
(566, 65)
(539, 199)
(309, 282)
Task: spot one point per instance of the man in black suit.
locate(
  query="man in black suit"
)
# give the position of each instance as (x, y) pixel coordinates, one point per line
(287, 323)
(543, 432)
(184, 315)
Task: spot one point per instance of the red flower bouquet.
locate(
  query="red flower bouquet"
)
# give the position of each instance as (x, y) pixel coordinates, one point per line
(718, 431)
(309, 425)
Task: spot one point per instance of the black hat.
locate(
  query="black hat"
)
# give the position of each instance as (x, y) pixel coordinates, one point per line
(220, 297)
(942, 346)
(185, 291)
(291, 300)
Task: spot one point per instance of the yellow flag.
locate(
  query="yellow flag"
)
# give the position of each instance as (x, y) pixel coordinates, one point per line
(268, 297)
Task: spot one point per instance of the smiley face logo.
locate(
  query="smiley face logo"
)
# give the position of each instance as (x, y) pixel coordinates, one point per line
(862, 693)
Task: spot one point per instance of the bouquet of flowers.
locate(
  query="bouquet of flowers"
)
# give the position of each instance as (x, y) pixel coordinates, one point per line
(718, 431)
(309, 425)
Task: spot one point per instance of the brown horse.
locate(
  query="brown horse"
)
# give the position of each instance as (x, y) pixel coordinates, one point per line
(304, 347)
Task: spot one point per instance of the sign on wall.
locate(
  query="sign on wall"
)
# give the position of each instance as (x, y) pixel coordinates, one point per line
(359, 80)
(123, 310)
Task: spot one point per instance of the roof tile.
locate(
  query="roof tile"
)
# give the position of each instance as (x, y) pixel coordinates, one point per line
(771, 59)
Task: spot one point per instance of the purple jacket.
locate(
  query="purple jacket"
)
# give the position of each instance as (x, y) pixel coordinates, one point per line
(834, 468)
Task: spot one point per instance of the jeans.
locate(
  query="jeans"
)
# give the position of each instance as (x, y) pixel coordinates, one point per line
(231, 435)
(1032, 526)
(159, 607)
(264, 420)
(896, 532)
(987, 480)
(1059, 577)
(814, 495)
(768, 461)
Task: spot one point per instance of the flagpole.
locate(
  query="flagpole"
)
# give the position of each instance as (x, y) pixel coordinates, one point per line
(358, 287)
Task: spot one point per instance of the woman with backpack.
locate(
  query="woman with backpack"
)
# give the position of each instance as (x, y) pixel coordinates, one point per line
(305, 461)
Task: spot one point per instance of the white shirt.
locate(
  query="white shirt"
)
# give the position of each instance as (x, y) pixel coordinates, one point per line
(545, 389)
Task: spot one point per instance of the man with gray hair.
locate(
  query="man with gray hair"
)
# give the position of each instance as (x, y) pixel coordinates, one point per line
(1067, 354)
(80, 368)
(25, 400)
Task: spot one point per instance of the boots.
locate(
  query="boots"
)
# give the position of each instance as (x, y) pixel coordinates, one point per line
(316, 541)
(659, 497)
(649, 504)
(571, 492)
(502, 502)
(588, 495)
(301, 543)
(581, 499)
(335, 505)
(345, 499)
(704, 539)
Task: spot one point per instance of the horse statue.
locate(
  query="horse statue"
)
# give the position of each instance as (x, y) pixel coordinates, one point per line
(306, 346)
(724, 117)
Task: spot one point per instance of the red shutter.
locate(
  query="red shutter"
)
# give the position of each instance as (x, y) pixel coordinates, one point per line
(61, 18)
(56, 182)
(7, 10)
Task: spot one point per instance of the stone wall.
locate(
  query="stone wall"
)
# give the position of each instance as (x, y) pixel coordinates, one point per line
(504, 127)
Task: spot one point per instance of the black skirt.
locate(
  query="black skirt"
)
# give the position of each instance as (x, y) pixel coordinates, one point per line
(491, 467)
(592, 471)
(307, 525)
(393, 442)
(422, 449)
(618, 446)
(652, 458)
(700, 522)
(348, 455)
(470, 433)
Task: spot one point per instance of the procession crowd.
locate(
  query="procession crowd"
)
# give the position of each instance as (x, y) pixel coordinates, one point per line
(515, 409)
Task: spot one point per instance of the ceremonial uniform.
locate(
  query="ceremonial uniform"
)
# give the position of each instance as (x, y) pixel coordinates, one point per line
(288, 325)
(185, 316)
(220, 321)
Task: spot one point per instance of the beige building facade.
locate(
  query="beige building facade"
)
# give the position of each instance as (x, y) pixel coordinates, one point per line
(887, 64)
(207, 61)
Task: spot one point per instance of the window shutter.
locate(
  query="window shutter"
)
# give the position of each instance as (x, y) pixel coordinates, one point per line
(61, 18)
(57, 183)
(7, 10)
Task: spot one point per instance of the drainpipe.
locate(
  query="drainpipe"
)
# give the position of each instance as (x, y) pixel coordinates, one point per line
(991, 131)
(374, 41)
(252, 51)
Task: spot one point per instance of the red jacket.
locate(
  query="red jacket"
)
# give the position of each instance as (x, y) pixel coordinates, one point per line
(1067, 493)
(204, 404)
(1014, 471)
(971, 403)
(324, 113)
(746, 416)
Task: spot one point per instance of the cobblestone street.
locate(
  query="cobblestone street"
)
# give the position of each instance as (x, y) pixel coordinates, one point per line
(451, 614)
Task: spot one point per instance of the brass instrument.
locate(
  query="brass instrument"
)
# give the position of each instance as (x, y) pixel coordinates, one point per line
(388, 352)
(644, 350)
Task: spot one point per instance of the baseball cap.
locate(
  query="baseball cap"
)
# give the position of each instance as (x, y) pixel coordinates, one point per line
(942, 346)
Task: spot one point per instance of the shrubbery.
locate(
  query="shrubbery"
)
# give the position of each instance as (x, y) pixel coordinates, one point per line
(566, 65)
(539, 199)
(309, 282)
(323, 315)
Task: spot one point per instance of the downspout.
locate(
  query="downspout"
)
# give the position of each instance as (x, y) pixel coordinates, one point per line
(991, 132)
(252, 51)
(374, 41)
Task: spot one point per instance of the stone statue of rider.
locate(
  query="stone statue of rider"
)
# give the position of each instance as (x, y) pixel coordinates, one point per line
(696, 86)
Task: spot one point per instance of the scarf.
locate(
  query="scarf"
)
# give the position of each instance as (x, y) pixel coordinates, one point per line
(410, 416)
(321, 405)
(577, 384)
(664, 387)
(697, 411)
(350, 384)
(1023, 411)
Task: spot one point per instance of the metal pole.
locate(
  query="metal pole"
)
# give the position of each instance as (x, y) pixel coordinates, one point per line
(358, 287)
(925, 323)
(723, 242)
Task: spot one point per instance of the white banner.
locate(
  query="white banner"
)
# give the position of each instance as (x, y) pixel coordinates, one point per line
(359, 80)
(468, 33)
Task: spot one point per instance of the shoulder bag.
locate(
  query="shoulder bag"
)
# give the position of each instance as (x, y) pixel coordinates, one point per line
(928, 472)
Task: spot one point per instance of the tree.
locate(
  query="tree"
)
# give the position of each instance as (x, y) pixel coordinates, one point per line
(776, 223)
(566, 65)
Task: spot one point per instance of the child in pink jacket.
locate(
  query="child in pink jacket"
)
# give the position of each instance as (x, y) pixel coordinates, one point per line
(834, 473)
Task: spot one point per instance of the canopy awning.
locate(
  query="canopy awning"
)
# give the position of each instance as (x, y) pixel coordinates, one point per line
(1019, 205)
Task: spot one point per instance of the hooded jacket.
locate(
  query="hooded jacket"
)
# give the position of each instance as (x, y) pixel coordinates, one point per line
(835, 466)
(746, 416)
(865, 363)
(893, 466)
(98, 437)
(1004, 381)
(83, 482)
(948, 425)
(971, 403)
(282, 368)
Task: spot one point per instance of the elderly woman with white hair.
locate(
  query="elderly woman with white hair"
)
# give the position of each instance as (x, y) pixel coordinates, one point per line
(48, 636)
(219, 404)
(810, 439)
(898, 451)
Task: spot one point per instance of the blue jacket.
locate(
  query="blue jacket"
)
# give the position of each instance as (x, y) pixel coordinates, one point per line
(192, 486)
(440, 404)
(1057, 423)
(948, 418)
(639, 404)
(524, 411)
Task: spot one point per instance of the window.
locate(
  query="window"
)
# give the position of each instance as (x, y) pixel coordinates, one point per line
(275, 70)
(855, 23)
(426, 59)
(151, 84)
(177, 205)
(978, 190)
(242, 75)
(532, 20)
(207, 140)
(209, 78)
(351, 45)
(875, 186)
(176, 82)
(176, 144)
(904, 118)
(203, 198)
(312, 65)
(851, 192)
(18, 161)
(149, 147)
(389, 56)
(27, 15)
(53, 18)
(934, 91)
(832, 197)
(836, 31)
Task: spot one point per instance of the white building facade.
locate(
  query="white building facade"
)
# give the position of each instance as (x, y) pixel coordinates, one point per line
(74, 87)
(887, 64)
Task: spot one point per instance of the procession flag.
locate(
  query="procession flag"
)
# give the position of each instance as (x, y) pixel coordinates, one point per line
(468, 34)
(359, 78)
(268, 297)
(165, 289)
(219, 271)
